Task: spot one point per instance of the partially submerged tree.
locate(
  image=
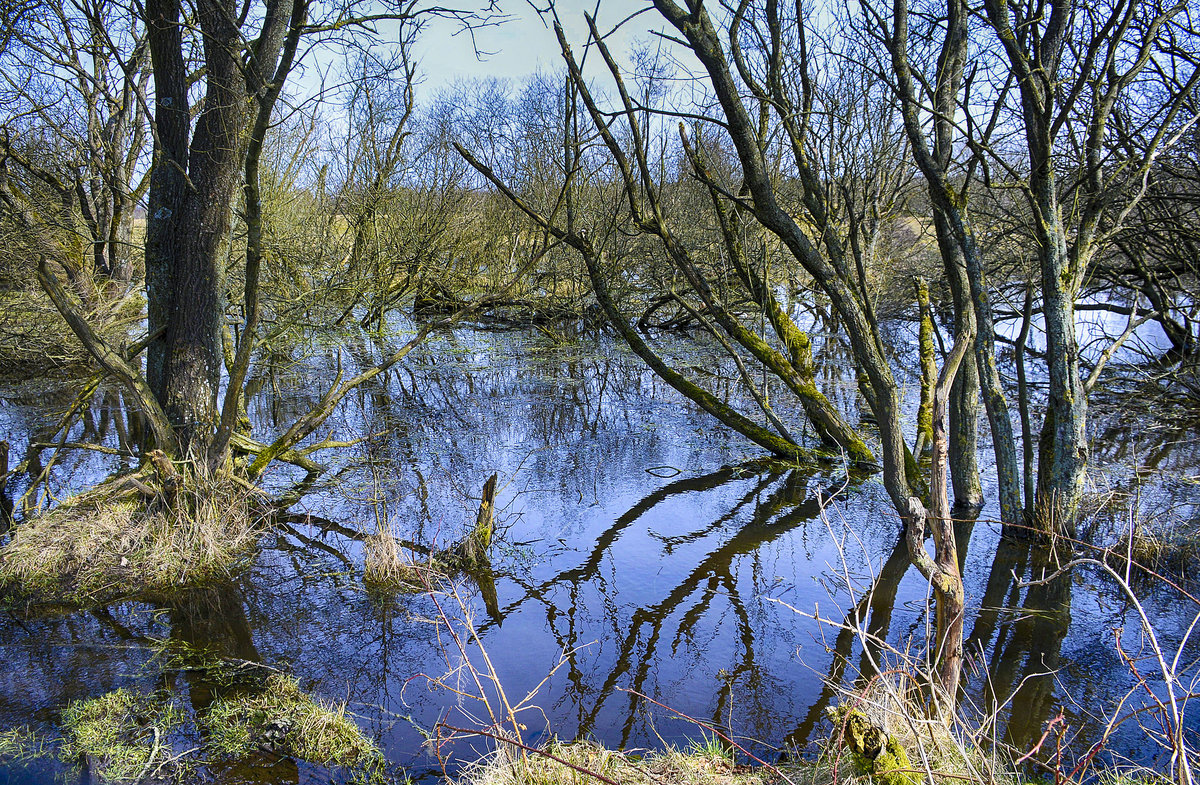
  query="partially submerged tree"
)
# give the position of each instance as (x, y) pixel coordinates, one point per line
(823, 231)
(1040, 102)
(213, 93)
(785, 94)
(817, 146)
(654, 205)
(1098, 54)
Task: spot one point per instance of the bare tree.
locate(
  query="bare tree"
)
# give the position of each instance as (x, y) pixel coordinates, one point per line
(934, 106)
(1076, 69)
(74, 131)
(216, 79)
(801, 207)
(1027, 99)
(1154, 254)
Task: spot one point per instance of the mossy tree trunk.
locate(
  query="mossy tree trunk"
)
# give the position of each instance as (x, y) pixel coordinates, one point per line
(942, 570)
(928, 368)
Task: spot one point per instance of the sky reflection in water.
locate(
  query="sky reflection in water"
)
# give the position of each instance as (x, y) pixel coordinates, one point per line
(629, 540)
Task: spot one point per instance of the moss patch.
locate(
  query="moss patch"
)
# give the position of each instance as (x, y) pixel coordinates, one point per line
(886, 737)
(873, 751)
(284, 717)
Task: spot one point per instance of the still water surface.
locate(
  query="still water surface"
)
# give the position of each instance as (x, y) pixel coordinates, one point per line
(632, 541)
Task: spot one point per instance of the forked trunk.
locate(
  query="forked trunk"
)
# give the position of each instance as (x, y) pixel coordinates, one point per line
(191, 191)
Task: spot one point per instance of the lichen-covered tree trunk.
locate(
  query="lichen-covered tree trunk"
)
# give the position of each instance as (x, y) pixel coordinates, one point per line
(701, 397)
(1063, 452)
(942, 571)
(1004, 445)
(964, 394)
(832, 428)
(197, 171)
(798, 371)
(1062, 448)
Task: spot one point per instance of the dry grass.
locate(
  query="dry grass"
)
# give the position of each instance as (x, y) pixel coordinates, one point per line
(117, 540)
(935, 751)
(389, 569)
(1170, 550)
(673, 767)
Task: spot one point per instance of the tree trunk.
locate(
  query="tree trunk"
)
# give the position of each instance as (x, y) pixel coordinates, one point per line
(928, 369)
(1004, 446)
(964, 439)
(964, 393)
(1062, 449)
(943, 570)
(1062, 458)
(168, 180)
(189, 216)
(960, 252)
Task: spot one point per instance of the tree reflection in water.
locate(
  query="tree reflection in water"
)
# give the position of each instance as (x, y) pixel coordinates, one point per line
(658, 586)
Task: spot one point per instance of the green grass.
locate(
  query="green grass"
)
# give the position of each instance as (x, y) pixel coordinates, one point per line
(126, 736)
(120, 734)
(295, 723)
(21, 744)
(710, 746)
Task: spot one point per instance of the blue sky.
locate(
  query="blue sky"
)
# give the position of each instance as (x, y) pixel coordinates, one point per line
(523, 44)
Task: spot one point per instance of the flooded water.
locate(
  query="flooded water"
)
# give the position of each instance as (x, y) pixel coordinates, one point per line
(635, 546)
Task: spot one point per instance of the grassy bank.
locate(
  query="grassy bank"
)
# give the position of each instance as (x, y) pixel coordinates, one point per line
(125, 537)
(130, 736)
(583, 763)
(880, 739)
